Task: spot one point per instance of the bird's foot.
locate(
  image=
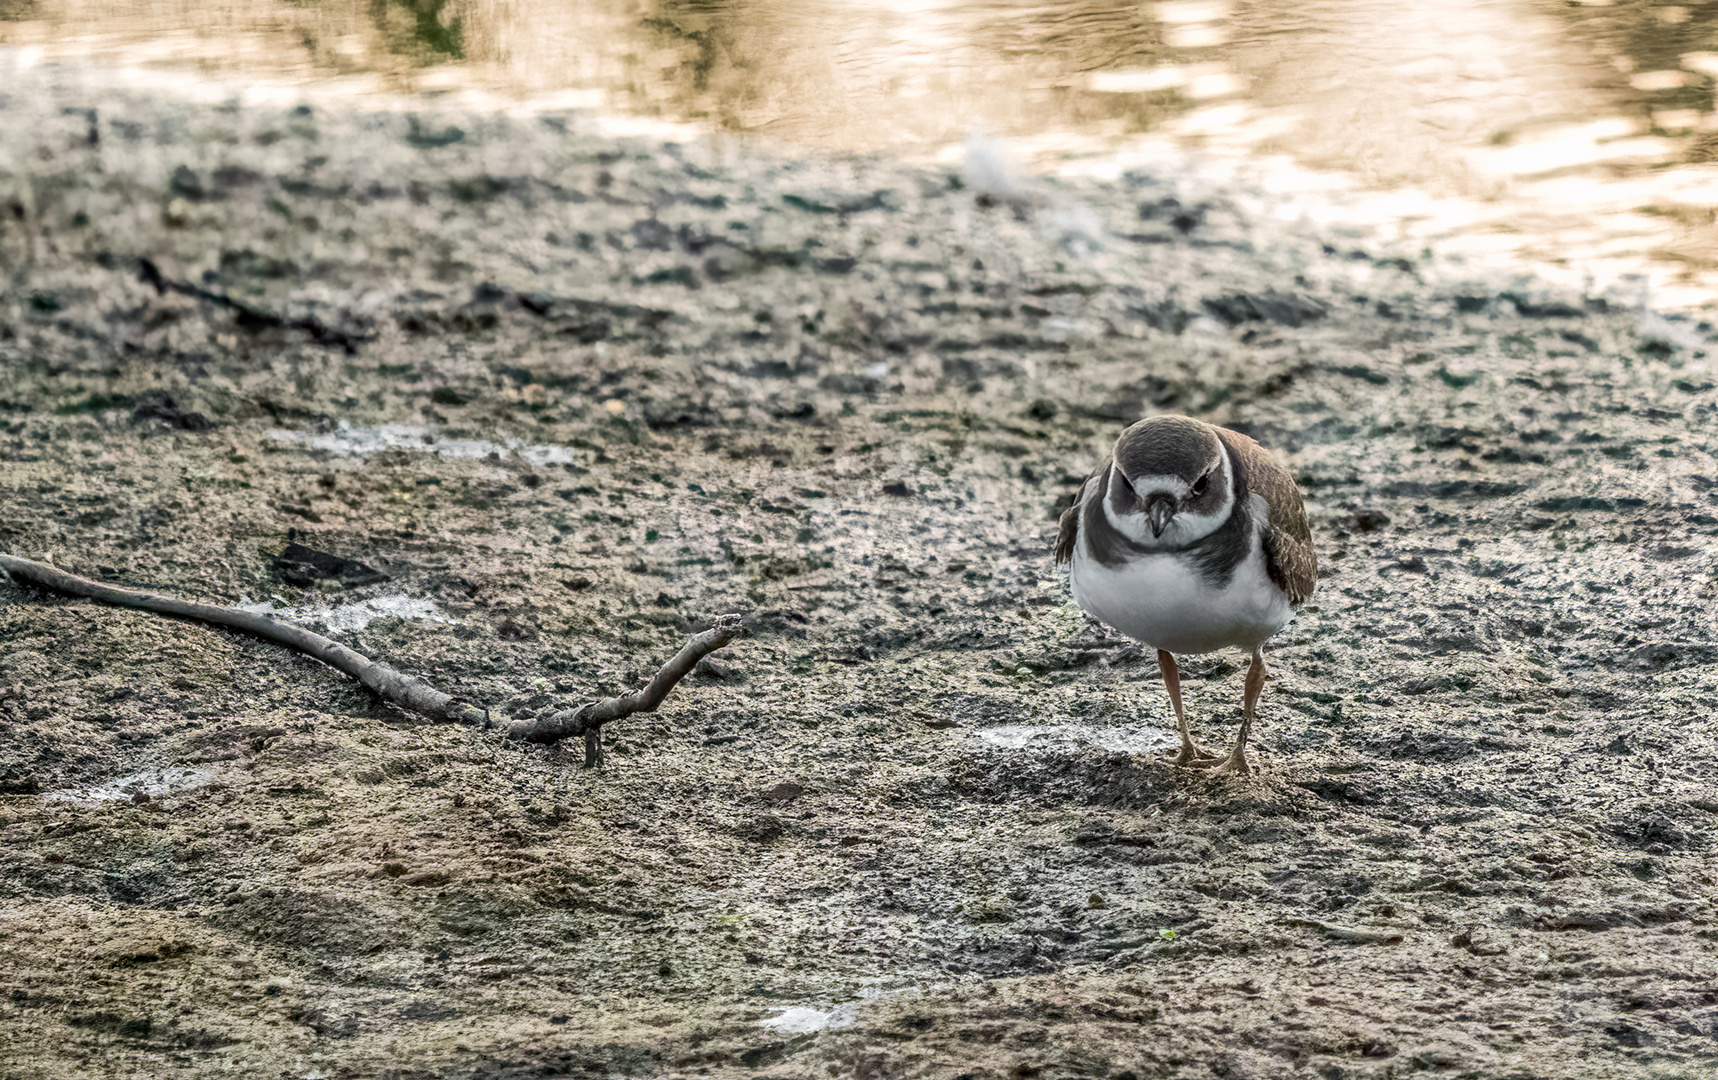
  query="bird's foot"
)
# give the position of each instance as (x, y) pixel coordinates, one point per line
(1191, 755)
(1235, 763)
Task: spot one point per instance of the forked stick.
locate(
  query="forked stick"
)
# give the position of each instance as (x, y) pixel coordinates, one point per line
(390, 685)
(587, 720)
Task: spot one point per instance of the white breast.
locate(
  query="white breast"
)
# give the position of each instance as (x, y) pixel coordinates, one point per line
(1161, 600)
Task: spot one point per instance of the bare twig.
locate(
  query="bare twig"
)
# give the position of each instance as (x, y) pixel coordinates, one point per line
(382, 680)
(587, 720)
(249, 318)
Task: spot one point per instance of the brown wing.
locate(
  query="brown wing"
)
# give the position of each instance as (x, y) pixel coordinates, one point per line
(1069, 534)
(1287, 540)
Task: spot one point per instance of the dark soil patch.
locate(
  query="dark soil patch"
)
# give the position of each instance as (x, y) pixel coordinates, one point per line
(847, 400)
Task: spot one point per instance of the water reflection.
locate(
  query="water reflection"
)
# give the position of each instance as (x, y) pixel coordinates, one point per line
(914, 72)
(1581, 135)
(431, 29)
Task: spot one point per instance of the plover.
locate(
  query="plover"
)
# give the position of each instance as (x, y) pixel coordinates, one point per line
(1191, 539)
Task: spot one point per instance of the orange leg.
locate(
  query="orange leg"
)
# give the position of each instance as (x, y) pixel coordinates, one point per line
(1190, 752)
(1237, 760)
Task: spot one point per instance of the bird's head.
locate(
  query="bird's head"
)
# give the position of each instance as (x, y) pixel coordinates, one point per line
(1171, 484)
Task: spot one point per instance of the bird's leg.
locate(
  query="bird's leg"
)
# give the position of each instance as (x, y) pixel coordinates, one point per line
(1236, 762)
(1190, 751)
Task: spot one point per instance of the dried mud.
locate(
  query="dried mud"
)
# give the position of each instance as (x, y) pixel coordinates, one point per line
(915, 824)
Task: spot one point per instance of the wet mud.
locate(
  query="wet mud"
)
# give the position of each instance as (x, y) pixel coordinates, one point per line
(514, 406)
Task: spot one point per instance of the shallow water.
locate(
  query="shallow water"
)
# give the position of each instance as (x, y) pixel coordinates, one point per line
(1578, 138)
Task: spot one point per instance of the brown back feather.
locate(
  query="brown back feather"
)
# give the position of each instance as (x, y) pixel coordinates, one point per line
(1287, 539)
(1069, 531)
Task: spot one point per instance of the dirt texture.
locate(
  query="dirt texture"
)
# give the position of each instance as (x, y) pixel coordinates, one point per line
(516, 407)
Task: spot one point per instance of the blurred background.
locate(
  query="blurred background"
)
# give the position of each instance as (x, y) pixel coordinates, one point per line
(1578, 137)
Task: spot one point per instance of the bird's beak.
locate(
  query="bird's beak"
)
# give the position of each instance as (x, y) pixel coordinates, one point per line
(1158, 511)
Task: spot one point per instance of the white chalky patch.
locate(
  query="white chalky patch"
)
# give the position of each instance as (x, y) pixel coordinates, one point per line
(1143, 738)
(153, 782)
(348, 441)
(356, 615)
(801, 1020)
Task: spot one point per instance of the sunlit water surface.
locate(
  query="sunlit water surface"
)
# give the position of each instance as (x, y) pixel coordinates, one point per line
(1576, 138)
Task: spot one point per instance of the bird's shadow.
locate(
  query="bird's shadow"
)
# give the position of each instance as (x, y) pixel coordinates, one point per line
(1062, 774)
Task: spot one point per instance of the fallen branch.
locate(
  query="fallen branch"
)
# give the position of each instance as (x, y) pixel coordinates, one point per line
(587, 720)
(249, 318)
(383, 681)
(391, 686)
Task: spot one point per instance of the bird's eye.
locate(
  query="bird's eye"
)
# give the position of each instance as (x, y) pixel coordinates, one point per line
(1201, 484)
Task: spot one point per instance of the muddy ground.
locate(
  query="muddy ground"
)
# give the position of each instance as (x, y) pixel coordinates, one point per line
(916, 823)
